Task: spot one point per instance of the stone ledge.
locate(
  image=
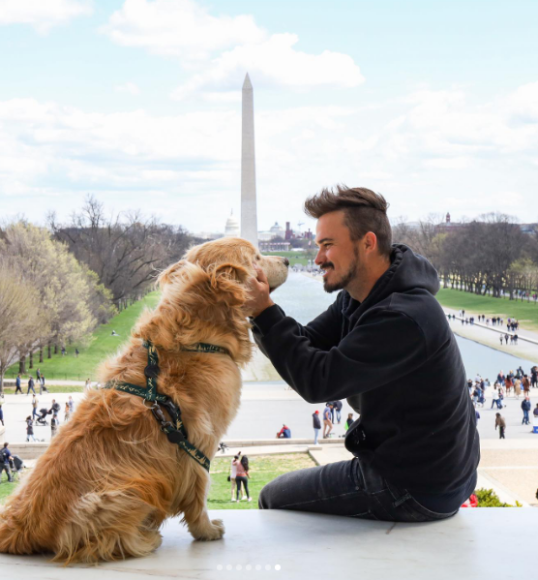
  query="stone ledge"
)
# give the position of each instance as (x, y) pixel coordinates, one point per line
(315, 546)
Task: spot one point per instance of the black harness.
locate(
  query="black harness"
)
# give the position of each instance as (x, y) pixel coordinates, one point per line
(174, 429)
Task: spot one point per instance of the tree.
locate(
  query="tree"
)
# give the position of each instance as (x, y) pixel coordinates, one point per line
(19, 313)
(67, 291)
(123, 250)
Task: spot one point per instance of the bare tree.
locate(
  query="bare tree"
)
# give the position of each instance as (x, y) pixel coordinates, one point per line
(124, 250)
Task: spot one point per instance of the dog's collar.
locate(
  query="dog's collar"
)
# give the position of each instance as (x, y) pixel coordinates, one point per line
(206, 347)
(175, 430)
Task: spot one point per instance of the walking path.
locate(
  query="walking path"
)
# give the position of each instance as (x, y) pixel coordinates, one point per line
(488, 335)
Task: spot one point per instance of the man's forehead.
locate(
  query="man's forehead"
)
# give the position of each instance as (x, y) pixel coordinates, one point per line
(330, 226)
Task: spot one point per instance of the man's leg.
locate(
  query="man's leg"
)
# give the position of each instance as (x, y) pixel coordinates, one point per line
(346, 488)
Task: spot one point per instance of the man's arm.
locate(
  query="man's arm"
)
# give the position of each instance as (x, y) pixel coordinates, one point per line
(386, 345)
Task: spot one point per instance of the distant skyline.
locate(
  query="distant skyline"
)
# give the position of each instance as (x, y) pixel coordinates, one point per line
(138, 103)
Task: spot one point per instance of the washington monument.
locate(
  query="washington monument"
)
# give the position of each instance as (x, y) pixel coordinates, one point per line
(249, 216)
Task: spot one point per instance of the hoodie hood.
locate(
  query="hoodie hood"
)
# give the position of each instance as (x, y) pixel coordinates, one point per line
(408, 271)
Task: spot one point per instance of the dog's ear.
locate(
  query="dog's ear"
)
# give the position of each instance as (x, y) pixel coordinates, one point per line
(167, 276)
(227, 280)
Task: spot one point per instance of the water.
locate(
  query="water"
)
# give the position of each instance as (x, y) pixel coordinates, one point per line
(303, 298)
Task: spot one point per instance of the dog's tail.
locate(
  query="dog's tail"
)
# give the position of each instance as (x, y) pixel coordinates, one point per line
(109, 526)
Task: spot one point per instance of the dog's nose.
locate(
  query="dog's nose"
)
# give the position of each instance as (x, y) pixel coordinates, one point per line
(286, 262)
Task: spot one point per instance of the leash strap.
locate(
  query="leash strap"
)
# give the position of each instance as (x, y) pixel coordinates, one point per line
(175, 430)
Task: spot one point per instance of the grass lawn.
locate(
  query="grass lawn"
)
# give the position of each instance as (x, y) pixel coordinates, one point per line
(102, 344)
(263, 469)
(296, 257)
(525, 312)
(6, 488)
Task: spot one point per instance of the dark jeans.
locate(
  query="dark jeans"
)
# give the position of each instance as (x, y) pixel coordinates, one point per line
(525, 418)
(241, 480)
(347, 488)
(7, 468)
(501, 433)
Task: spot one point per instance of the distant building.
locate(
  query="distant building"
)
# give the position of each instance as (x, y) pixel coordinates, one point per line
(231, 229)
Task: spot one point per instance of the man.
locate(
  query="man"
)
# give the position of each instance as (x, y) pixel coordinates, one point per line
(526, 384)
(316, 424)
(284, 433)
(501, 423)
(71, 404)
(18, 385)
(5, 455)
(34, 406)
(327, 420)
(30, 385)
(379, 345)
(526, 407)
(338, 408)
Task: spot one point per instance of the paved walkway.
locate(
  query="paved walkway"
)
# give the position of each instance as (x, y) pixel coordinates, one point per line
(527, 346)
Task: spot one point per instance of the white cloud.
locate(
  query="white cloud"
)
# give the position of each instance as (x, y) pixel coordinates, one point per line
(42, 14)
(130, 88)
(274, 62)
(437, 152)
(218, 51)
(180, 28)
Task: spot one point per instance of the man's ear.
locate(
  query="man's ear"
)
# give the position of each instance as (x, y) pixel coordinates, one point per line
(167, 276)
(227, 280)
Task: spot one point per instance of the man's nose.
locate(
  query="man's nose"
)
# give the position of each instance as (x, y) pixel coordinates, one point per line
(319, 259)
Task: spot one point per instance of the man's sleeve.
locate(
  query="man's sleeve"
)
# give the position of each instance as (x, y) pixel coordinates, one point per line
(386, 345)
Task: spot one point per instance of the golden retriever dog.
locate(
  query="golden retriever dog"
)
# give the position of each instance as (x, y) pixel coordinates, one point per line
(110, 477)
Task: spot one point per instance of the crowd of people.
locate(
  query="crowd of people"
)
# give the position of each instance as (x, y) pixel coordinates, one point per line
(517, 384)
(512, 325)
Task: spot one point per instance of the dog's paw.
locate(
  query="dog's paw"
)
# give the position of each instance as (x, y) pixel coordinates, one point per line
(214, 531)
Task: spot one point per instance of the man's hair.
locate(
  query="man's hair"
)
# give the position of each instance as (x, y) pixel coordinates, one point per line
(364, 211)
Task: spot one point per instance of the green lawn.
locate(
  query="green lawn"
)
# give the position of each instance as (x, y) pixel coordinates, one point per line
(296, 257)
(525, 312)
(6, 488)
(263, 469)
(102, 345)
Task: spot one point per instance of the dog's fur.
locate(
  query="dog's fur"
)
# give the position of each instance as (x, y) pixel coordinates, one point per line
(110, 477)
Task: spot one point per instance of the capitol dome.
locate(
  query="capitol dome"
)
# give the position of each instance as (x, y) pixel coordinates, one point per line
(231, 230)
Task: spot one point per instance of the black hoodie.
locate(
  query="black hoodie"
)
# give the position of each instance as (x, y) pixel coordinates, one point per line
(396, 360)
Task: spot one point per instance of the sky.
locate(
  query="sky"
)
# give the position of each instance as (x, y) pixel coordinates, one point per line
(433, 103)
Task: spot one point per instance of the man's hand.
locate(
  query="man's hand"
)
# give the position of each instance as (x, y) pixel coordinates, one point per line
(258, 294)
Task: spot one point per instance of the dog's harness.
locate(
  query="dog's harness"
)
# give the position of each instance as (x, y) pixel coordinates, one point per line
(175, 430)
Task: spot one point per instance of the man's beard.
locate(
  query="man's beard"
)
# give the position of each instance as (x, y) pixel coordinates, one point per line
(346, 278)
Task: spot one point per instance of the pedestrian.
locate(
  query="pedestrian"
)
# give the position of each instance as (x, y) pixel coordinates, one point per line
(76, 352)
(242, 477)
(349, 421)
(29, 429)
(67, 412)
(517, 388)
(30, 385)
(71, 404)
(526, 407)
(54, 425)
(534, 377)
(284, 433)
(64, 352)
(18, 385)
(2, 400)
(526, 384)
(34, 405)
(506, 337)
(316, 423)
(233, 474)
(338, 409)
(38, 374)
(501, 423)
(501, 339)
(5, 456)
(88, 385)
(42, 387)
(384, 335)
(327, 423)
(494, 396)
